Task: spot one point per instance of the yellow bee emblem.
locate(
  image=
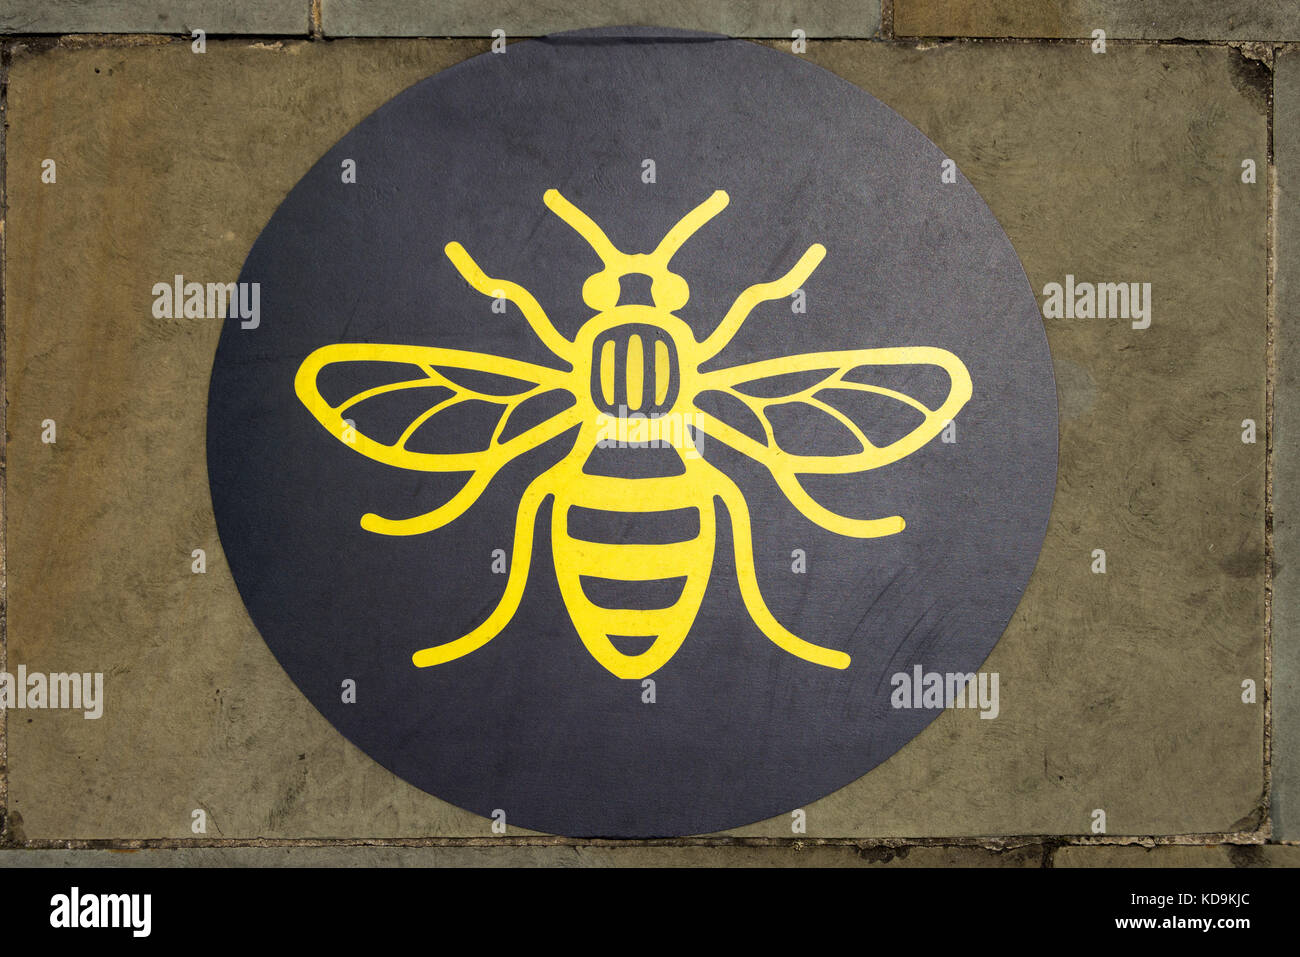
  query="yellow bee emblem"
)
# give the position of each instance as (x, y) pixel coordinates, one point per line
(643, 361)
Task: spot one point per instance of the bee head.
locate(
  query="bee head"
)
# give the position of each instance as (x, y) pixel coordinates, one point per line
(603, 290)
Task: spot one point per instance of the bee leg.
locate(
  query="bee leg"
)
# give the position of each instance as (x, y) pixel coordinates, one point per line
(525, 519)
(761, 292)
(820, 515)
(533, 312)
(738, 510)
(444, 514)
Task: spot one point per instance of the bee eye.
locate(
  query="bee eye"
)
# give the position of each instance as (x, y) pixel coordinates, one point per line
(600, 291)
(670, 292)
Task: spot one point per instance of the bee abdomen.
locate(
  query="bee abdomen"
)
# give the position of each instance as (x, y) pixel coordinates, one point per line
(633, 559)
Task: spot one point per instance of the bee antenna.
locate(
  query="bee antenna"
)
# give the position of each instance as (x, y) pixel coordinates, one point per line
(689, 225)
(583, 225)
(601, 290)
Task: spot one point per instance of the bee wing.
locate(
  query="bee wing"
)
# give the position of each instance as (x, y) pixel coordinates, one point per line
(811, 375)
(435, 388)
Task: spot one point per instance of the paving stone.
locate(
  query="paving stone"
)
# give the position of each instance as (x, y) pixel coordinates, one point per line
(131, 16)
(1150, 19)
(1119, 691)
(533, 856)
(1286, 458)
(1126, 685)
(739, 18)
(157, 174)
(1178, 855)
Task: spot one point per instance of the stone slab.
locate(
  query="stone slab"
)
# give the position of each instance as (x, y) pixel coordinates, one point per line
(131, 16)
(1148, 20)
(1128, 684)
(739, 18)
(1178, 855)
(1120, 691)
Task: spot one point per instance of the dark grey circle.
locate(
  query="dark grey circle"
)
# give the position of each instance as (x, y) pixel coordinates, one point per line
(531, 723)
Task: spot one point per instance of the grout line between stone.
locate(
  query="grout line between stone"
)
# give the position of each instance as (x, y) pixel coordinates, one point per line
(1050, 843)
(4, 446)
(315, 32)
(1270, 378)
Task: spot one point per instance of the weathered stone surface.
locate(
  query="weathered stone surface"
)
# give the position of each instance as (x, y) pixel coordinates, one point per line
(182, 16)
(1178, 855)
(167, 163)
(1150, 19)
(558, 856)
(1286, 461)
(1119, 691)
(1122, 690)
(741, 18)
